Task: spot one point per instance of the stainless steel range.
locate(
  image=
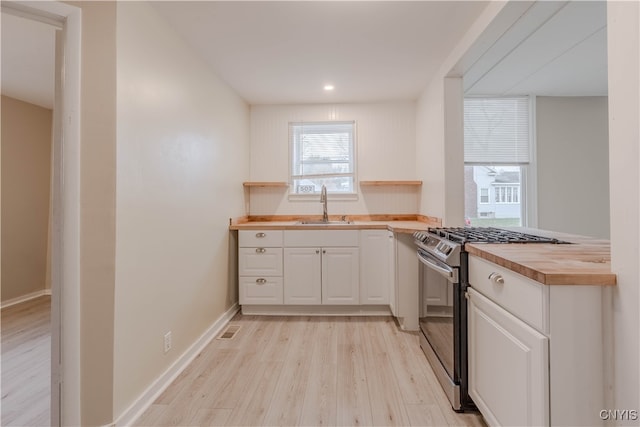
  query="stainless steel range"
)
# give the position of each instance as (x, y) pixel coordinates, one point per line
(443, 308)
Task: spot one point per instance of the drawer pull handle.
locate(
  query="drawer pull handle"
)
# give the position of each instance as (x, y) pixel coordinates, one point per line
(261, 281)
(496, 278)
(260, 250)
(261, 235)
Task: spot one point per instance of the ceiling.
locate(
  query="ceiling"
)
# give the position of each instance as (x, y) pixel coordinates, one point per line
(285, 52)
(28, 58)
(554, 48)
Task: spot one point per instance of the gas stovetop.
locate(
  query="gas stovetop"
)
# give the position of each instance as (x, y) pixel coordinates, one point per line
(447, 244)
(488, 235)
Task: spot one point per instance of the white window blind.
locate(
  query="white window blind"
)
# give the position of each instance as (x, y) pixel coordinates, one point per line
(496, 130)
(322, 153)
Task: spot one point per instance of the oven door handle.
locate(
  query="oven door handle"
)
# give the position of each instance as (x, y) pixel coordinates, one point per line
(449, 273)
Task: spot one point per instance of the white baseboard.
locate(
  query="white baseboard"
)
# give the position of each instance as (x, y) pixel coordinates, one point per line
(25, 298)
(137, 408)
(317, 310)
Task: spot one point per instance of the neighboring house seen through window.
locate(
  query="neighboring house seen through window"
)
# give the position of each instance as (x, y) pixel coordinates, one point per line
(322, 153)
(497, 143)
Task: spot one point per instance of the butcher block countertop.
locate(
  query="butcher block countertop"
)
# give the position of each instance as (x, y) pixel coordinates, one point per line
(584, 261)
(395, 223)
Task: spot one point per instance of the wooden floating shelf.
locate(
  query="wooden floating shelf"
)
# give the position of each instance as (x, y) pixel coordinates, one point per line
(265, 184)
(382, 183)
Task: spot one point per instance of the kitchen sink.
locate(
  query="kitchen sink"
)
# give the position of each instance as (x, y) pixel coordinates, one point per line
(320, 222)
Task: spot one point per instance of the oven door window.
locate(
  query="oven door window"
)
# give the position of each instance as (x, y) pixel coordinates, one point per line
(436, 315)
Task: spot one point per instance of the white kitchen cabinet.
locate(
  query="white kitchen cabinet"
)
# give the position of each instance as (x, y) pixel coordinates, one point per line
(508, 366)
(321, 276)
(302, 269)
(260, 267)
(406, 299)
(536, 353)
(340, 276)
(260, 290)
(321, 267)
(377, 258)
(260, 261)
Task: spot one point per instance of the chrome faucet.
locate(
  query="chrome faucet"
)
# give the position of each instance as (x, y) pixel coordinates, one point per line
(323, 200)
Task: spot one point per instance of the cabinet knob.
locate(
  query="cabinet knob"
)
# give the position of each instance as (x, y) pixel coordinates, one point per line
(324, 252)
(260, 250)
(261, 235)
(496, 278)
(261, 281)
(317, 251)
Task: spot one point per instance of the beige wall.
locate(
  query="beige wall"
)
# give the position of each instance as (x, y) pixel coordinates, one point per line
(623, 44)
(385, 149)
(26, 178)
(182, 155)
(97, 210)
(572, 144)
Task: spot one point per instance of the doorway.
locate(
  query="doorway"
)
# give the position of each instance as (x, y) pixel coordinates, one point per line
(28, 99)
(63, 249)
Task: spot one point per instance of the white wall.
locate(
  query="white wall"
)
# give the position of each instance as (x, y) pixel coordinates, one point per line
(430, 149)
(439, 143)
(623, 44)
(182, 155)
(385, 151)
(572, 144)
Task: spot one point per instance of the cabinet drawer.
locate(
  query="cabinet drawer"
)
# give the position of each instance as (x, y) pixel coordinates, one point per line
(259, 238)
(261, 290)
(260, 262)
(519, 295)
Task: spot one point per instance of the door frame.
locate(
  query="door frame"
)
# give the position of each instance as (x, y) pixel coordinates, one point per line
(65, 233)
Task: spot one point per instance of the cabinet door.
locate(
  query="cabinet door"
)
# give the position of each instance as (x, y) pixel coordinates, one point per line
(508, 366)
(340, 276)
(375, 269)
(302, 280)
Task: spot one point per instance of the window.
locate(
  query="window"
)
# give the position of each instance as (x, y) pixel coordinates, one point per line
(497, 144)
(322, 153)
(507, 194)
(484, 195)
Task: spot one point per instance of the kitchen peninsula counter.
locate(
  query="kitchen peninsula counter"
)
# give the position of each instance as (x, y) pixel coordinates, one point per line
(582, 261)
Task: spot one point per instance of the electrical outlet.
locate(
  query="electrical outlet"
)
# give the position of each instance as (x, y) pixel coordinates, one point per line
(167, 341)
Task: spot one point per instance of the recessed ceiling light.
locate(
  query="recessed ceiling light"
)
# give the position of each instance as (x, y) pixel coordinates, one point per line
(328, 87)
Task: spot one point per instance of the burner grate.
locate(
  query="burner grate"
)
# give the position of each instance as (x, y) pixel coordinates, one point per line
(489, 235)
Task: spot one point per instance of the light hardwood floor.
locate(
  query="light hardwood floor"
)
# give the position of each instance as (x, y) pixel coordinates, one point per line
(26, 363)
(308, 371)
